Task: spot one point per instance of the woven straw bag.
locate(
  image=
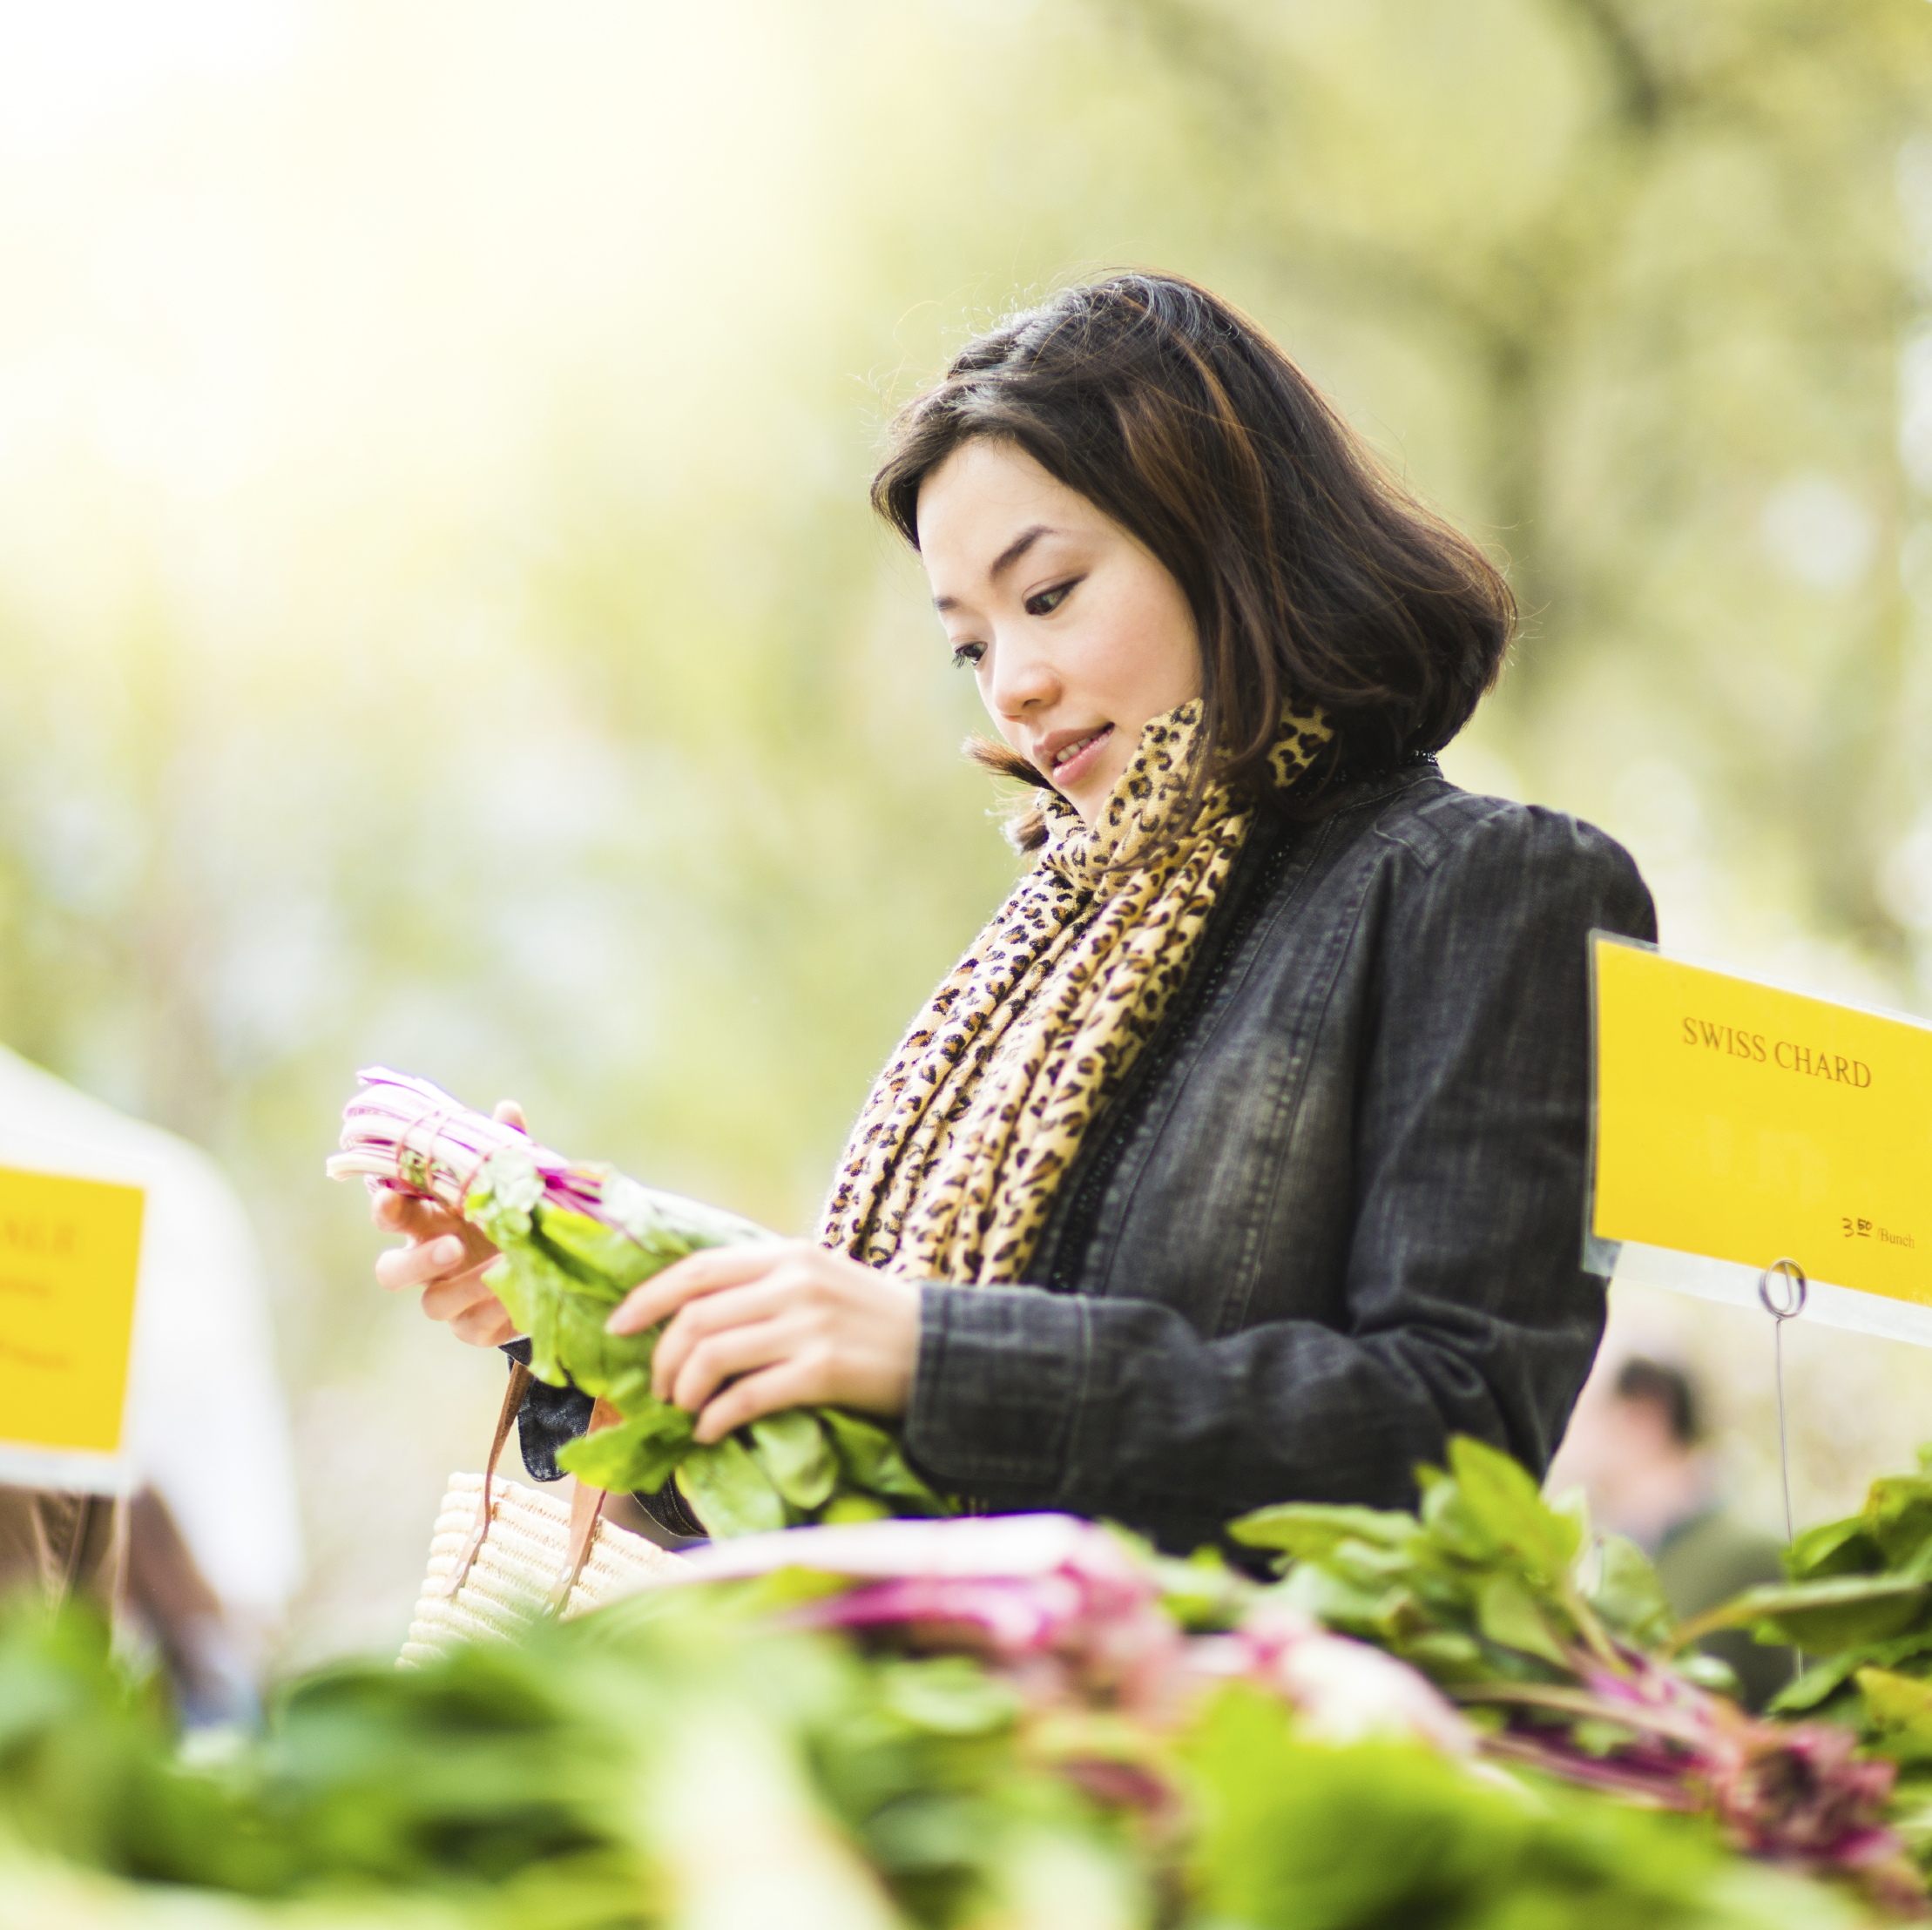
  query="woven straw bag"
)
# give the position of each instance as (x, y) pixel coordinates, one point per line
(504, 1556)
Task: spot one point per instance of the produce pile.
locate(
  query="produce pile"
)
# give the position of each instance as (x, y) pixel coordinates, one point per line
(1485, 1593)
(1012, 1722)
(573, 1239)
(1859, 1609)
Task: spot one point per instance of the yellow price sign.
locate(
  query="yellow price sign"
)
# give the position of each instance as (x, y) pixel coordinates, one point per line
(1741, 1122)
(69, 1256)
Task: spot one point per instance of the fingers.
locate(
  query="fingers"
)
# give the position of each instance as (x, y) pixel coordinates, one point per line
(707, 1272)
(485, 1324)
(444, 1257)
(397, 1212)
(839, 1331)
(426, 1260)
(713, 1313)
(448, 1299)
(464, 1302)
(794, 1383)
(720, 1357)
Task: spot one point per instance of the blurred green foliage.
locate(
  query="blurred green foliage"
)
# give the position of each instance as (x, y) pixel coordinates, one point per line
(669, 1761)
(442, 621)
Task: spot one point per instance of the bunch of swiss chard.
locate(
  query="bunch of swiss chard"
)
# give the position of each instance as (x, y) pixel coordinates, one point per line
(1489, 1590)
(573, 1239)
(1859, 1609)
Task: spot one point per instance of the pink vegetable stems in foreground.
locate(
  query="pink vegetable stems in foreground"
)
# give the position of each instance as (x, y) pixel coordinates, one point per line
(1067, 1610)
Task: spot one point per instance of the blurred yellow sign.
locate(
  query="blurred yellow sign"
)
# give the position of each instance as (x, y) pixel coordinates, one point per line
(70, 1252)
(1742, 1123)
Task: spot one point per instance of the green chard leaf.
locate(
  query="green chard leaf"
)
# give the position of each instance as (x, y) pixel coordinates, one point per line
(1306, 1531)
(1628, 1595)
(1823, 1679)
(502, 1226)
(1498, 1495)
(873, 1461)
(616, 1366)
(608, 1263)
(669, 1226)
(729, 1491)
(1840, 1612)
(1834, 1548)
(563, 1317)
(1509, 1616)
(1897, 1515)
(1202, 1591)
(1710, 1672)
(853, 1508)
(1900, 1708)
(1319, 1593)
(573, 1238)
(796, 1456)
(534, 1290)
(1446, 1655)
(638, 1455)
(1294, 1834)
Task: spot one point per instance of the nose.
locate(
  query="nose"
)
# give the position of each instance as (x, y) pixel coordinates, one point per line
(1023, 678)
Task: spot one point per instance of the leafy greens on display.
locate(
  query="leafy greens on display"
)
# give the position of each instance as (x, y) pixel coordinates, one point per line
(572, 1239)
(1859, 1609)
(1563, 1646)
(966, 1724)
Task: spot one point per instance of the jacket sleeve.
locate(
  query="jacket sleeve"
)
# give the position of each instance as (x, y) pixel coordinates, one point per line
(1465, 1306)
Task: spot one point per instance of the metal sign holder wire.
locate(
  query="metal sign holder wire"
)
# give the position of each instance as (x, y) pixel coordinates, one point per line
(1788, 1304)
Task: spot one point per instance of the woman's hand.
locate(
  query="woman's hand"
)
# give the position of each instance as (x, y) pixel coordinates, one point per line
(788, 1326)
(445, 1257)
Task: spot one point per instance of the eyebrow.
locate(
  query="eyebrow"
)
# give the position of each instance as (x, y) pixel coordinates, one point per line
(1004, 561)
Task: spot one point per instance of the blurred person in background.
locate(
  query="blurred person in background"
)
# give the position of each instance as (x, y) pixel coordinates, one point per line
(204, 1556)
(1241, 1157)
(1637, 1447)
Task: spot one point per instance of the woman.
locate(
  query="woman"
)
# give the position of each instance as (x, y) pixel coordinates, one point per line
(1243, 1157)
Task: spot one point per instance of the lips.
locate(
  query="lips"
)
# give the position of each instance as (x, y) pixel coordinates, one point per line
(1067, 756)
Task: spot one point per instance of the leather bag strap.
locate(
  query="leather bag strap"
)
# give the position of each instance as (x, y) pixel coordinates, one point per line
(586, 1506)
(513, 1406)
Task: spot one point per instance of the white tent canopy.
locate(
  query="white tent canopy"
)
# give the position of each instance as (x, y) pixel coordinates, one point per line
(206, 1426)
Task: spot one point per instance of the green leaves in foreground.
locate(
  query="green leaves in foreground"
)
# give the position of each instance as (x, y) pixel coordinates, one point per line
(1294, 1835)
(671, 1762)
(675, 1761)
(462, 1782)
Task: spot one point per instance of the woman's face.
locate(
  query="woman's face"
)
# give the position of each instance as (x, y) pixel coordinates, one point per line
(1076, 635)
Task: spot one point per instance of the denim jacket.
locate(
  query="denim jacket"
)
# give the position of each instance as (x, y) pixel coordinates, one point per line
(1336, 1212)
(1334, 1215)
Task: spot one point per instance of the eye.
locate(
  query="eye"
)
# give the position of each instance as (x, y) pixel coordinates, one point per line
(1044, 602)
(965, 656)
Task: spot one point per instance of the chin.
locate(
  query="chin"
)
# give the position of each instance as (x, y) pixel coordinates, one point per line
(1097, 790)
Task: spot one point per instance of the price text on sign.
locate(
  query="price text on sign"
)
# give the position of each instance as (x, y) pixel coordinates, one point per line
(70, 1251)
(1743, 1123)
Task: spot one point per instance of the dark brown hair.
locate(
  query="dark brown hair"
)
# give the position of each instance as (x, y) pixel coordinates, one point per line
(1310, 571)
(1667, 1388)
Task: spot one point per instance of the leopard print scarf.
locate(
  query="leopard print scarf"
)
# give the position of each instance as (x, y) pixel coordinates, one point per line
(953, 1165)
